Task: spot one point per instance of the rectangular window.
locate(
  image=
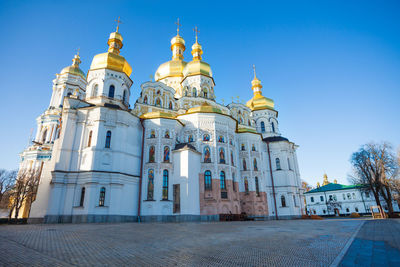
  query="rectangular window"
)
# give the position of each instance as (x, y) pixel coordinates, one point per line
(165, 185)
(312, 199)
(322, 198)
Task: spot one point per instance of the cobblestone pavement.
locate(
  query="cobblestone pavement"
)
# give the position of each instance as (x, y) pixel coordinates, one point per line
(270, 243)
(376, 244)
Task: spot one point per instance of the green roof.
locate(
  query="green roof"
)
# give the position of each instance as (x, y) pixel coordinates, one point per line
(333, 187)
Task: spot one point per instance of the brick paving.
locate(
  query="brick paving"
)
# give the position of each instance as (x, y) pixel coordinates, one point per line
(270, 243)
(376, 244)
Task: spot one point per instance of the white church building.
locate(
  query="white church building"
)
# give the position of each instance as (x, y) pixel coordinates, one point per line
(175, 155)
(348, 198)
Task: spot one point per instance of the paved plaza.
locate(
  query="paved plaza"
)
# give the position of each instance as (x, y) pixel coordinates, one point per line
(269, 243)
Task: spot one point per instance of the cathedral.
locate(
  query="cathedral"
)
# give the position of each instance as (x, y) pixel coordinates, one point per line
(175, 155)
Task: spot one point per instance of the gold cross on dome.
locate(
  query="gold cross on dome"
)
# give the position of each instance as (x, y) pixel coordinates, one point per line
(77, 51)
(118, 21)
(151, 77)
(196, 31)
(232, 99)
(223, 101)
(178, 25)
(254, 70)
(238, 99)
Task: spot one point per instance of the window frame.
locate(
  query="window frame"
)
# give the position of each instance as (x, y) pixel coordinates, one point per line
(165, 185)
(108, 139)
(102, 196)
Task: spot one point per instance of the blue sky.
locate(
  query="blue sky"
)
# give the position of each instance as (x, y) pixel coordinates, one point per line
(332, 67)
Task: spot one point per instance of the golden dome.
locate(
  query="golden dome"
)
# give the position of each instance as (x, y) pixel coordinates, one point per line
(325, 182)
(197, 66)
(204, 108)
(111, 59)
(174, 67)
(259, 102)
(177, 40)
(74, 68)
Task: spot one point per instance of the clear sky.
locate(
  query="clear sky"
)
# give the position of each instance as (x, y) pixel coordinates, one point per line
(332, 67)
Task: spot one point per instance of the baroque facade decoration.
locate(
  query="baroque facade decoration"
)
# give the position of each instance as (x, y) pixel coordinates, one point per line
(176, 154)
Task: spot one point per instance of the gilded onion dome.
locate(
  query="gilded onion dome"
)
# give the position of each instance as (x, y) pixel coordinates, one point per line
(112, 59)
(174, 67)
(197, 66)
(74, 68)
(259, 102)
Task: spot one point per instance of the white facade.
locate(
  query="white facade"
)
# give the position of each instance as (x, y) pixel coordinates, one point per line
(176, 155)
(350, 198)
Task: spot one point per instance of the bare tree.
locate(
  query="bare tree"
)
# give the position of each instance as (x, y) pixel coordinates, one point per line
(7, 181)
(375, 166)
(24, 191)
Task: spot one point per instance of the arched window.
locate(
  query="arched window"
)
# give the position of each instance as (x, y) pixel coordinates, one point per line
(89, 143)
(95, 90)
(165, 185)
(152, 151)
(288, 163)
(232, 159)
(243, 147)
(82, 200)
(240, 120)
(262, 127)
(166, 134)
(145, 99)
(253, 147)
(233, 182)
(221, 156)
(222, 180)
(205, 93)
(273, 127)
(246, 185)
(278, 164)
(248, 122)
(294, 201)
(69, 94)
(124, 97)
(170, 105)
(207, 180)
(283, 201)
(257, 187)
(111, 91)
(244, 165)
(150, 185)
(152, 134)
(166, 154)
(194, 92)
(108, 139)
(102, 196)
(158, 102)
(255, 165)
(207, 154)
(158, 92)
